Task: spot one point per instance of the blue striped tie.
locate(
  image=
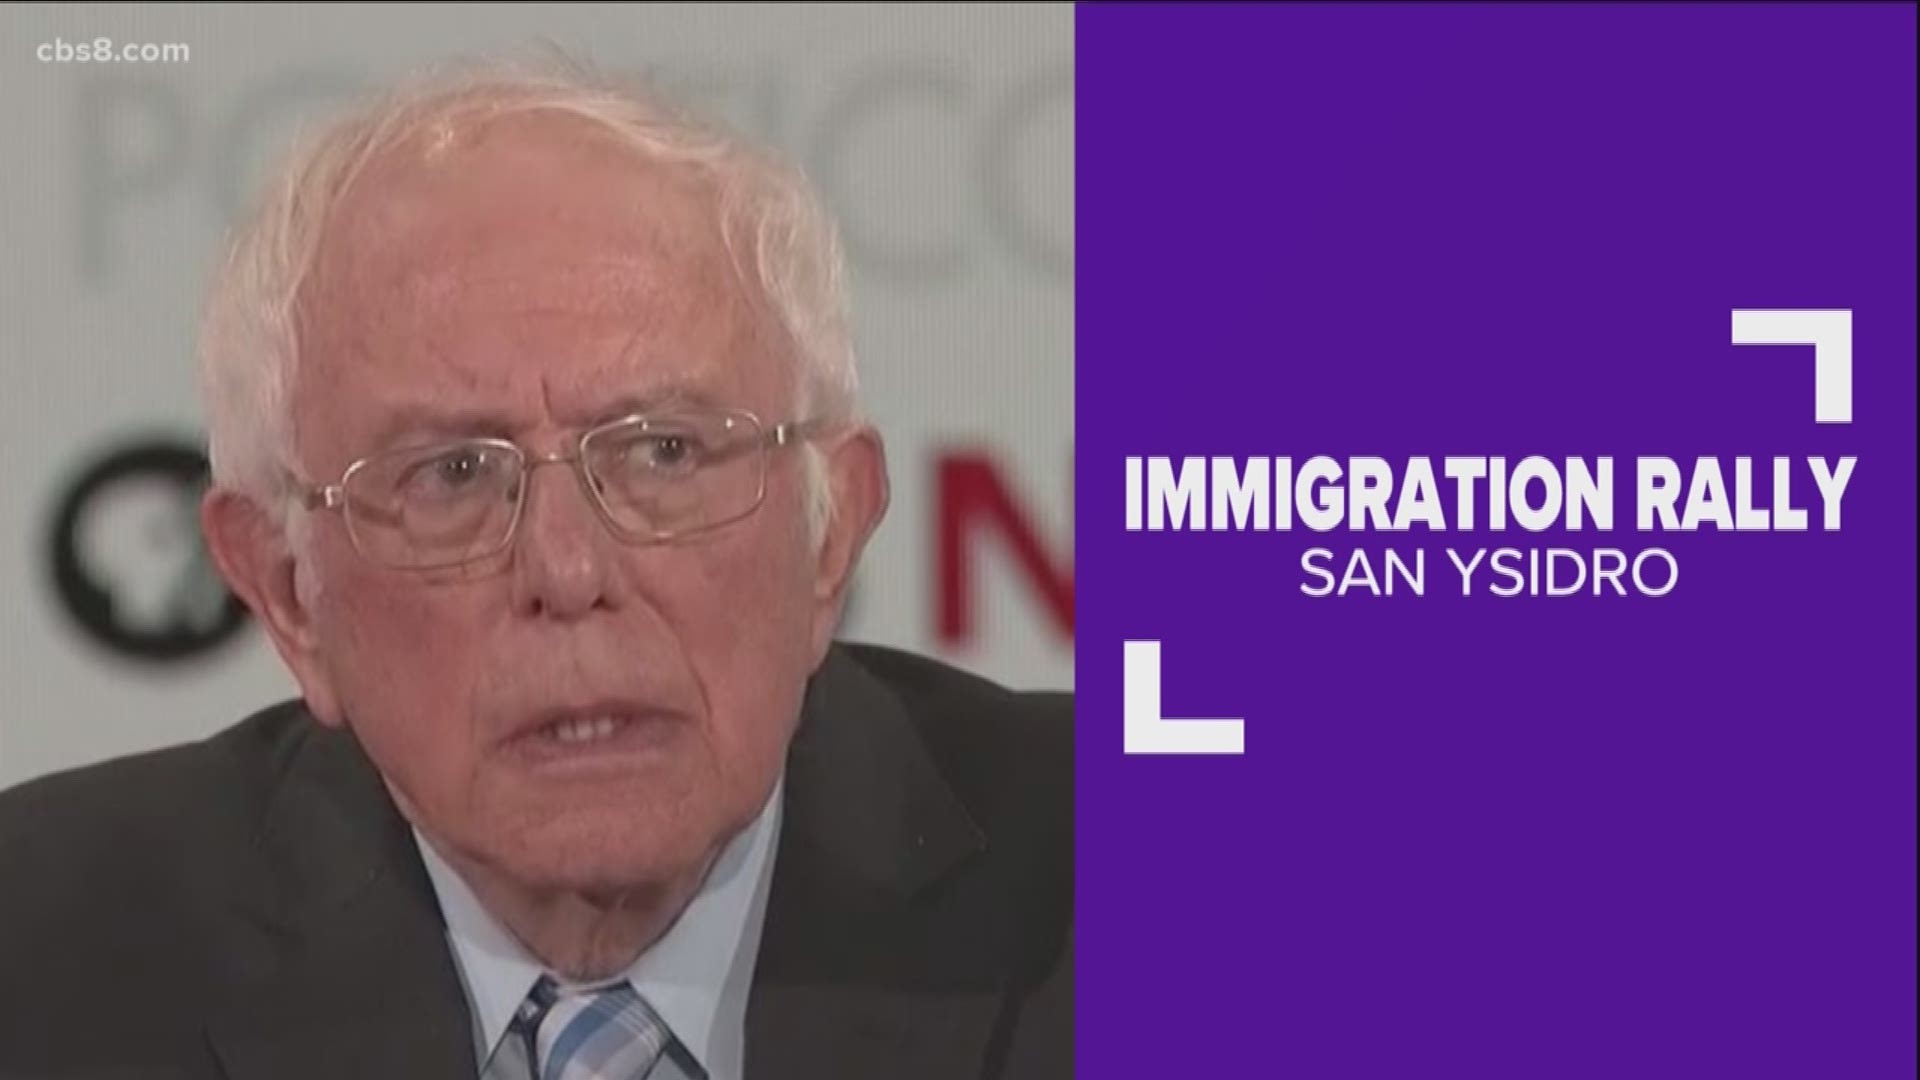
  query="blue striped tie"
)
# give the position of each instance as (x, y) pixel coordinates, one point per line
(604, 1032)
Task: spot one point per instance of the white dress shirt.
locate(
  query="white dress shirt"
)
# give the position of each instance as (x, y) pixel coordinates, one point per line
(697, 976)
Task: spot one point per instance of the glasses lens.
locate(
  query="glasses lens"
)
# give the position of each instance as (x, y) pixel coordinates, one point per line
(434, 506)
(678, 473)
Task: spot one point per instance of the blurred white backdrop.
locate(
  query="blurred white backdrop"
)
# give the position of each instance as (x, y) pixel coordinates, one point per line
(942, 135)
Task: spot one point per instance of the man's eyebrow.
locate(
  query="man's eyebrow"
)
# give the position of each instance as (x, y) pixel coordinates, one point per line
(415, 423)
(676, 393)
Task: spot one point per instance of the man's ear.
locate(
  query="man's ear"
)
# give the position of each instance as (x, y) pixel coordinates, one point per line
(857, 482)
(254, 556)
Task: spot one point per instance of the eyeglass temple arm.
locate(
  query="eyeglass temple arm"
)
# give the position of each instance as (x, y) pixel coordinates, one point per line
(334, 497)
(794, 431)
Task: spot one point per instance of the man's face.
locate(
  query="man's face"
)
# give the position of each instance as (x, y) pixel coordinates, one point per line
(530, 285)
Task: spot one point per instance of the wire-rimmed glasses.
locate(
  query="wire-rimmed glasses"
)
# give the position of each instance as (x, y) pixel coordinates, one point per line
(654, 478)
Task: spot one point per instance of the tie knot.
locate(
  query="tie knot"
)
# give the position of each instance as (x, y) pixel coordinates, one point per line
(598, 1032)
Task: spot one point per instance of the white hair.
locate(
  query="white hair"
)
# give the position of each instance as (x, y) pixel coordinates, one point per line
(778, 233)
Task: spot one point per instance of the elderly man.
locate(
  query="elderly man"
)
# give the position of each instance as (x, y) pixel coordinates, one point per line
(537, 454)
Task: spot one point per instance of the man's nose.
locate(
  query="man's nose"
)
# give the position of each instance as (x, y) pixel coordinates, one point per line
(563, 566)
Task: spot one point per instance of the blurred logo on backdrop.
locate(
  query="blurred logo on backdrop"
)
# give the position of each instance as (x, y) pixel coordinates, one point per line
(128, 566)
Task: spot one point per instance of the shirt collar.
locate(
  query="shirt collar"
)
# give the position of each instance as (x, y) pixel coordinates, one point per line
(697, 976)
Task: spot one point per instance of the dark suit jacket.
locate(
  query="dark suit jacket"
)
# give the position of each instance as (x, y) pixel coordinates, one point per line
(252, 907)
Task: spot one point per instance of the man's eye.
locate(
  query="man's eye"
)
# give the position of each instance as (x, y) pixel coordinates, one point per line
(662, 452)
(668, 451)
(457, 469)
(454, 472)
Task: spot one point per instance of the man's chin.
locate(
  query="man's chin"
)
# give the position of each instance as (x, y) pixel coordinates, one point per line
(606, 863)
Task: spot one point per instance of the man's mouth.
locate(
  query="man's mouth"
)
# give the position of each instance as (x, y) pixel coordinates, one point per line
(584, 729)
(597, 730)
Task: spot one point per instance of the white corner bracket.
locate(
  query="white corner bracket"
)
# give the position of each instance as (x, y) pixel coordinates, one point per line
(1147, 732)
(1829, 331)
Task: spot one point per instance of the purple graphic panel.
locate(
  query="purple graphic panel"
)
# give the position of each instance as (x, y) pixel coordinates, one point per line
(1661, 826)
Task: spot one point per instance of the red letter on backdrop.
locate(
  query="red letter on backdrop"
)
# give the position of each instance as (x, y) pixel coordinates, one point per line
(972, 496)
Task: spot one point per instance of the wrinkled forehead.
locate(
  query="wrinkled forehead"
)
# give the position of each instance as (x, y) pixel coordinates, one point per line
(536, 250)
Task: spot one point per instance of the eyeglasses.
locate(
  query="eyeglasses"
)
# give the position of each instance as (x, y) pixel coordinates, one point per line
(653, 479)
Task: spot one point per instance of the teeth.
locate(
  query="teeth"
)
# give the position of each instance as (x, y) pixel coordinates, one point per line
(585, 729)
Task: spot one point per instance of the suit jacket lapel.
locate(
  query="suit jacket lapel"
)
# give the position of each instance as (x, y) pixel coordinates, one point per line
(341, 966)
(862, 976)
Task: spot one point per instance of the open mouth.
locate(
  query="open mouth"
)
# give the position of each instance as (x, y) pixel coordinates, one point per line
(592, 734)
(583, 729)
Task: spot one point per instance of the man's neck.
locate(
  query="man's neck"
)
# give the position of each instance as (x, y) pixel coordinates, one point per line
(577, 936)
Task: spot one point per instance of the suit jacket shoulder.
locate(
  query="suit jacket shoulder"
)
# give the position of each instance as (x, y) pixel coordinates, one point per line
(175, 822)
(1010, 757)
(922, 911)
(1008, 753)
(119, 878)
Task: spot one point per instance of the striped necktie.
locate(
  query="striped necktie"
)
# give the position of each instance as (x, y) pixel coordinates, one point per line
(604, 1032)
